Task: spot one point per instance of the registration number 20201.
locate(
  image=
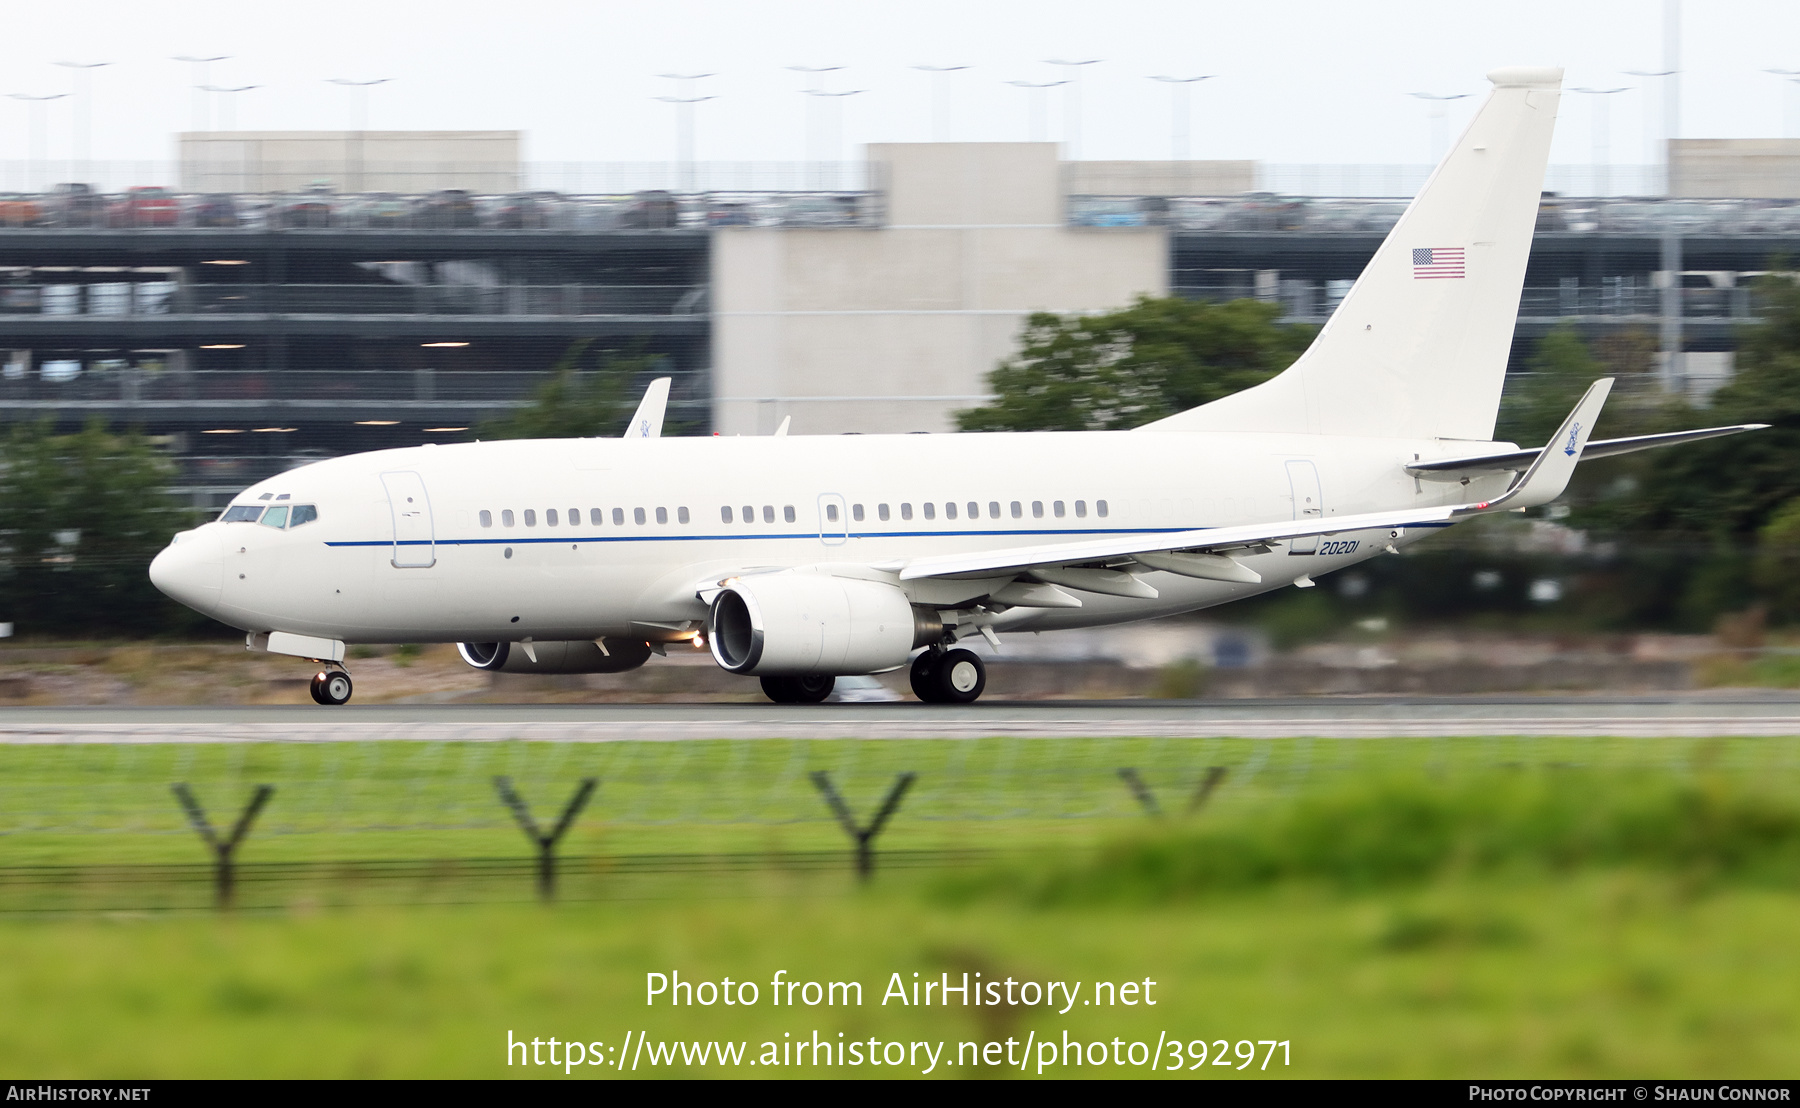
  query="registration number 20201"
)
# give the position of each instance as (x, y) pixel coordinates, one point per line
(1339, 546)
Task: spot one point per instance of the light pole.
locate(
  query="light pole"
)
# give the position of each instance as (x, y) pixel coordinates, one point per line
(1440, 121)
(1789, 78)
(84, 100)
(1038, 108)
(831, 104)
(228, 112)
(1179, 88)
(1599, 126)
(940, 103)
(684, 124)
(202, 118)
(1072, 101)
(39, 151)
(359, 98)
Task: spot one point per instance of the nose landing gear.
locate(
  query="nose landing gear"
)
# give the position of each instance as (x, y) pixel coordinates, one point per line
(331, 687)
(948, 676)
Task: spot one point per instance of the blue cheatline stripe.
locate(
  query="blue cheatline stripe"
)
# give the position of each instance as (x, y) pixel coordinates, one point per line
(574, 539)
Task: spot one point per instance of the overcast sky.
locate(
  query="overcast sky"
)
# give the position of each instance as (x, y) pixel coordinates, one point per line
(1297, 81)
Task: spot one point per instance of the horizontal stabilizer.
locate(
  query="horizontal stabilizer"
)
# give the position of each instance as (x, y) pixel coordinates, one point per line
(1451, 468)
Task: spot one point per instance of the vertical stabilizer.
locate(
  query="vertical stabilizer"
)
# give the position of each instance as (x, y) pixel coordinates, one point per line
(1419, 346)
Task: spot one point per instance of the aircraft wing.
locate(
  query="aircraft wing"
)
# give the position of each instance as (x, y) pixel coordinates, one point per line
(647, 421)
(1597, 448)
(1542, 481)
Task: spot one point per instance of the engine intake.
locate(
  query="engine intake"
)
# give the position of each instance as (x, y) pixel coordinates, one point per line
(799, 624)
(579, 656)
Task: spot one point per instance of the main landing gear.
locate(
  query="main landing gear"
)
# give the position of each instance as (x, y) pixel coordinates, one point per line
(331, 686)
(948, 676)
(811, 689)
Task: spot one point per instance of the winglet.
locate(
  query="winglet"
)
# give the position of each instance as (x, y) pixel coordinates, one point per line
(1548, 475)
(786, 422)
(647, 421)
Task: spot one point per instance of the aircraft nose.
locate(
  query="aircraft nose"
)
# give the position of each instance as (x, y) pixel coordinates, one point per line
(191, 569)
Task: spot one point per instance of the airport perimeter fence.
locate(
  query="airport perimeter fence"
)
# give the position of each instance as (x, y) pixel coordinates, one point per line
(129, 825)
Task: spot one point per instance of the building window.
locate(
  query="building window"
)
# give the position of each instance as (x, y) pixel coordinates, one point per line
(637, 516)
(1081, 509)
(619, 517)
(768, 513)
(1037, 509)
(1057, 509)
(950, 509)
(787, 512)
(1018, 510)
(681, 515)
(550, 518)
(506, 517)
(725, 514)
(831, 513)
(856, 512)
(1100, 508)
(530, 517)
(930, 510)
(881, 512)
(906, 511)
(487, 518)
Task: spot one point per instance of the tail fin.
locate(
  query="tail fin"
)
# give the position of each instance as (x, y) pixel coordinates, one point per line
(1418, 348)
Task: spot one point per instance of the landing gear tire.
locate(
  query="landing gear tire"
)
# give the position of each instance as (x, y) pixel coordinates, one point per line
(924, 676)
(959, 677)
(811, 689)
(331, 687)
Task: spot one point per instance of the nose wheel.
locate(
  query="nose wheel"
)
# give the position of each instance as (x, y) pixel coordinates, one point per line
(331, 686)
(950, 677)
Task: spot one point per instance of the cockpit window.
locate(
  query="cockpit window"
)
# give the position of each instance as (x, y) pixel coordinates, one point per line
(303, 513)
(242, 513)
(275, 517)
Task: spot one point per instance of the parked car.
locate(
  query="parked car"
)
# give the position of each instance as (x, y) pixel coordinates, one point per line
(383, 210)
(76, 204)
(312, 208)
(446, 208)
(217, 209)
(144, 206)
(524, 211)
(19, 210)
(730, 214)
(652, 209)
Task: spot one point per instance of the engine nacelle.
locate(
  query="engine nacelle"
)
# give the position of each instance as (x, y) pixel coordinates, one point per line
(579, 656)
(797, 624)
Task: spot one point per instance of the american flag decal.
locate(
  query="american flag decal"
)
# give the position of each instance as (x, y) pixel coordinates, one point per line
(1437, 261)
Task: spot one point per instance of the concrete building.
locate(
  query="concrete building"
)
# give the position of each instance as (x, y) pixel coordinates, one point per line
(349, 161)
(1749, 169)
(893, 328)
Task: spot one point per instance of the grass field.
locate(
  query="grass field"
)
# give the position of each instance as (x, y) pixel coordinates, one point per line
(1493, 907)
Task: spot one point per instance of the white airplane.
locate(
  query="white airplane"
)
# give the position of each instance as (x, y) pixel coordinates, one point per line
(798, 559)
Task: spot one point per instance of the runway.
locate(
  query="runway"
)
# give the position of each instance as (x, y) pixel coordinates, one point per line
(1732, 713)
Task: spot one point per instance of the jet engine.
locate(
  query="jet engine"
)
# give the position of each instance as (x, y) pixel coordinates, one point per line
(579, 656)
(798, 624)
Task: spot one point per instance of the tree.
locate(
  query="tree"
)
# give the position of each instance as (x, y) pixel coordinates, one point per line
(576, 402)
(1125, 368)
(82, 516)
(1557, 373)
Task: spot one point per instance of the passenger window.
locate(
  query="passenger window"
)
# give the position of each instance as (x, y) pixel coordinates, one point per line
(930, 510)
(856, 512)
(906, 511)
(1017, 509)
(787, 512)
(275, 517)
(881, 512)
(306, 513)
(241, 513)
(618, 517)
(531, 517)
(1056, 507)
(681, 515)
(637, 516)
(550, 518)
(725, 514)
(974, 510)
(596, 516)
(831, 513)
(993, 509)
(1081, 509)
(574, 517)
(749, 514)
(949, 510)
(1037, 509)
(487, 518)
(1100, 508)
(506, 517)
(768, 513)
(662, 515)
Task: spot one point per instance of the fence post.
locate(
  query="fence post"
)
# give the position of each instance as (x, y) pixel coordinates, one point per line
(545, 841)
(224, 850)
(1215, 775)
(863, 837)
